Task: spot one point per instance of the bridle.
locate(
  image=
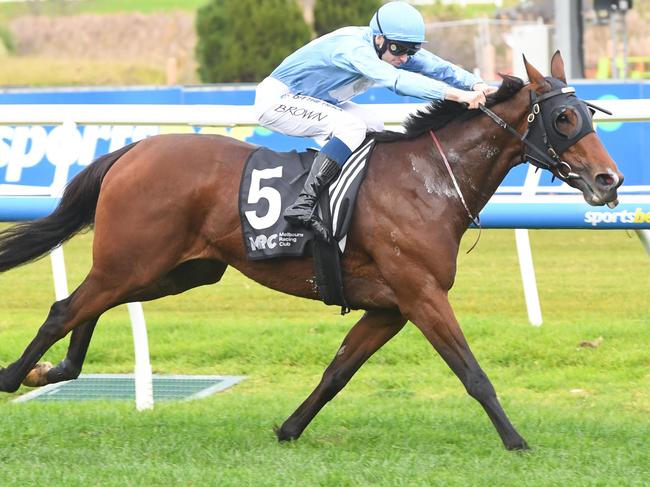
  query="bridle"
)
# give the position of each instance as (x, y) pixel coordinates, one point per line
(542, 139)
(541, 133)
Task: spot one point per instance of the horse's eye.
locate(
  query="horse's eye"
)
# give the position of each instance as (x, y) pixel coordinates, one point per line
(567, 121)
(562, 118)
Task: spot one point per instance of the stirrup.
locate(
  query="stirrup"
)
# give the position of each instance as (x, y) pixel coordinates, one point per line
(300, 212)
(321, 232)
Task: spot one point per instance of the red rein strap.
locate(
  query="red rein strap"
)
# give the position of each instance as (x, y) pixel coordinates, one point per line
(476, 220)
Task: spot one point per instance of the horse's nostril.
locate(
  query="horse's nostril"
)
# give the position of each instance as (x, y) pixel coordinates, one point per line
(605, 180)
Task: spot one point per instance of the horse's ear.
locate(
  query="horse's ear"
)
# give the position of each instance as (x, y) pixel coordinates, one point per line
(535, 76)
(557, 67)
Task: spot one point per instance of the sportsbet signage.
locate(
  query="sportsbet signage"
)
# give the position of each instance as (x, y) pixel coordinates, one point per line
(638, 216)
(530, 214)
(37, 156)
(35, 160)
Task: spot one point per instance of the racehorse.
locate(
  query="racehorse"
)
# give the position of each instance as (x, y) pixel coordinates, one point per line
(166, 219)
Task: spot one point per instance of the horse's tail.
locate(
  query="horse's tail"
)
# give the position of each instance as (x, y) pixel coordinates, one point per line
(26, 242)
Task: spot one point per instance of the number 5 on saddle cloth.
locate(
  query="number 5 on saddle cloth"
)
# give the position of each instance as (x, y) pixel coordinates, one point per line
(270, 182)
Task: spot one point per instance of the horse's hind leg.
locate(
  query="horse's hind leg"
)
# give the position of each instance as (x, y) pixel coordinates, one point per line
(185, 276)
(95, 295)
(372, 331)
(70, 367)
(49, 333)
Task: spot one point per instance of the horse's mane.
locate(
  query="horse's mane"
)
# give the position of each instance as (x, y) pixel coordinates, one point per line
(440, 112)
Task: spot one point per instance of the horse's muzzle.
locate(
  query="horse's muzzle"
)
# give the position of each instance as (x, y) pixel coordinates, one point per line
(603, 189)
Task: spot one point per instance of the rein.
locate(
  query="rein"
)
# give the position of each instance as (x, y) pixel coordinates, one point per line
(474, 219)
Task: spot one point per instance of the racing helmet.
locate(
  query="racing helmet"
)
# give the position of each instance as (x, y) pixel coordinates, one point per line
(398, 21)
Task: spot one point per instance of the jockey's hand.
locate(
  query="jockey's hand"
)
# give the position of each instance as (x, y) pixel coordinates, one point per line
(470, 98)
(485, 88)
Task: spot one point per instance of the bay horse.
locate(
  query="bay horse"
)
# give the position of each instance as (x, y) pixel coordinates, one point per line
(166, 219)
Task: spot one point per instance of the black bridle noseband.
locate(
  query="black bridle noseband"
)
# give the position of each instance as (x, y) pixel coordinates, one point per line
(543, 140)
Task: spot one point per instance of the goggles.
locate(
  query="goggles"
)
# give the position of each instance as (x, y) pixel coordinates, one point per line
(401, 48)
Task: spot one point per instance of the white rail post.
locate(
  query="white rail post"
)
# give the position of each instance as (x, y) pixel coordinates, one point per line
(528, 277)
(59, 274)
(644, 236)
(142, 374)
(526, 267)
(56, 255)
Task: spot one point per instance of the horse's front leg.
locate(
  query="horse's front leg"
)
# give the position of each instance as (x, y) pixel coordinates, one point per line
(367, 336)
(433, 315)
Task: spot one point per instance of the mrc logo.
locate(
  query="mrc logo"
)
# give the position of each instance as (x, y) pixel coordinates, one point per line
(262, 242)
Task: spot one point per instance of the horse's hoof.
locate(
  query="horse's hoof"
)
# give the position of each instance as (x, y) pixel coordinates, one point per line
(4, 387)
(519, 445)
(283, 435)
(62, 372)
(38, 375)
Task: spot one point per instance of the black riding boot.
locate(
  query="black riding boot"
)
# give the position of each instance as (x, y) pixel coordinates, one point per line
(301, 213)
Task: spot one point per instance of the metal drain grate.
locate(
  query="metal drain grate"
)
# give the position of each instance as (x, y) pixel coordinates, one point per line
(122, 387)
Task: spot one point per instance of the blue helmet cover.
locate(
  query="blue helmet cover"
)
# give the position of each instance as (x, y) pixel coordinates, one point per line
(398, 21)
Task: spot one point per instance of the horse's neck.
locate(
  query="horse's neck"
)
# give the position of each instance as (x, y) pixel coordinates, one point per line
(486, 152)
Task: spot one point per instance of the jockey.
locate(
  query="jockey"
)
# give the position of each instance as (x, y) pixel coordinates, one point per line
(308, 94)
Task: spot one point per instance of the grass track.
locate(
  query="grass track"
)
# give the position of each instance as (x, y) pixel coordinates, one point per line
(403, 420)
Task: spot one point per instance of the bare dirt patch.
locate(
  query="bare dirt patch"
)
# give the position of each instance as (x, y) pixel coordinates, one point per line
(154, 40)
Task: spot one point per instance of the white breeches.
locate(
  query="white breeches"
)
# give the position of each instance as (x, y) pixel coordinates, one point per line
(281, 111)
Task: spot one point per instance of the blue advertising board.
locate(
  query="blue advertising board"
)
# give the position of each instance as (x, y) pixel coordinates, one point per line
(33, 158)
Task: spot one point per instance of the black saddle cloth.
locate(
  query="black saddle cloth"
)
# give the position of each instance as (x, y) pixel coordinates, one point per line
(271, 181)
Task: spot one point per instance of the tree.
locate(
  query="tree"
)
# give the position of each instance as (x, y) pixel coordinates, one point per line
(329, 15)
(244, 40)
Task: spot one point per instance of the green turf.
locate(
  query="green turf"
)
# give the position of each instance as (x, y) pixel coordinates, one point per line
(403, 420)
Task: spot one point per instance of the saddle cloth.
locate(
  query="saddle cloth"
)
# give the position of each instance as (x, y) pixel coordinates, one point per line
(271, 181)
